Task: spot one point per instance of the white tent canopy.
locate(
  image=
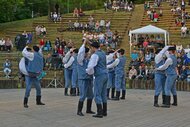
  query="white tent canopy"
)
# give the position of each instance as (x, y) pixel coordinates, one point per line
(149, 30)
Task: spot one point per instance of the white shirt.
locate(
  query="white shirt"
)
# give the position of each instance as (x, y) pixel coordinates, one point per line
(92, 63)
(114, 64)
(81, 55)
(166, 64)
(66, 58)
(22, 66)
(183, 29)
(30, 55)
(70, 62)
(2, 42)
(160, 55)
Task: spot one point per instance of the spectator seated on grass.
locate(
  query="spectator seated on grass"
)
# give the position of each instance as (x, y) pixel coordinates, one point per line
(42, 42)
(48, 61)
(76, 13)
(61, 51)
(76, 25)
(140, 73)
(47, 46)
(70, 26)
(55, 17)
(2, 44)
(183, 31)
(81, 13)
(182, 74)
(7, 68)
(132, 73)
(8, 44)
(43, 31)
(187, 58)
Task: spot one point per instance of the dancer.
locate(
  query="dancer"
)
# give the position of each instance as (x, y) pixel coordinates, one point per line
(34, 67)
(97, 66)
(85, 81)
(160, 76)
(171, 73)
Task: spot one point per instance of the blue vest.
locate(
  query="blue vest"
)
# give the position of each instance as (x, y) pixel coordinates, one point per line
(82, 70)
(110, 70)
(70, 67)
(120, 68)
(36, 65)
(172, 68)
(158, 65)
(100, 68)
(74, 65)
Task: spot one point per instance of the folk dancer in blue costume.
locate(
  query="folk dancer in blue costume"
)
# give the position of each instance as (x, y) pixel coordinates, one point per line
(171, 73)
(68, 61)
(97, 66)
(74, 77)
(160, 76)
(34, 67)
(85, 81)
(120, 74)
(111, 74)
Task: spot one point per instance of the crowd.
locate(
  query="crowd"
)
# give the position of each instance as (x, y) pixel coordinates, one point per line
(121, 5)
(142, 64)
(6, 44)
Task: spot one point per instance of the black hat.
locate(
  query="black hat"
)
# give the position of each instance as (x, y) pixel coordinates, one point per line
(36, 48)
(28, 49)
(122, 51)
(76, 50)
(95, 44)
(172, 48)
(86, 50)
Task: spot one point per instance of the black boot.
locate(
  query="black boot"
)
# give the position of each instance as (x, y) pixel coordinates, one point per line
(108, 93)
(99, 111)
(175, 100)
(167, 102)
(80, 106)
(104, 109)
(112, 93)
(26, 102)
(88, 107)
(163, 99)
(73, 92)
(117, 96)
(38, 100)
(156, 101)
(66, 91)
(123, 95)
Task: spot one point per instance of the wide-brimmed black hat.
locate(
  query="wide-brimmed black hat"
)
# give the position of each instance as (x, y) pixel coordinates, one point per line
(36, 48)
(95, 44)
(172, 48)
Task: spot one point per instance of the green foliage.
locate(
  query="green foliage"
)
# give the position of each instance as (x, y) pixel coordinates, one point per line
(22, 9)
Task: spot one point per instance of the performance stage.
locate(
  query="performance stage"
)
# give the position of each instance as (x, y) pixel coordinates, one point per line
(60, 111)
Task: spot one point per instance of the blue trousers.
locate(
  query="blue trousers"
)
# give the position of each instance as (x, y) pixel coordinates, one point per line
(120, 82)
(32, 81)
(74, 78)
(111, 80)
(68, 77)
(170, 86)
(100, 88)
(86, 89)
(159, 81)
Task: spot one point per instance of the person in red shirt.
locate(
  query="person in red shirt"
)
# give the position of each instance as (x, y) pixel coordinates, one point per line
(156, 17)
(60, 50)
(42, 42)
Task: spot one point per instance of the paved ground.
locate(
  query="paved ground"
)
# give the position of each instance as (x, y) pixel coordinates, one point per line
(60, 111)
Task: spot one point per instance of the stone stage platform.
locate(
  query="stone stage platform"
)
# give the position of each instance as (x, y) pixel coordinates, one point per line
(60, 111)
